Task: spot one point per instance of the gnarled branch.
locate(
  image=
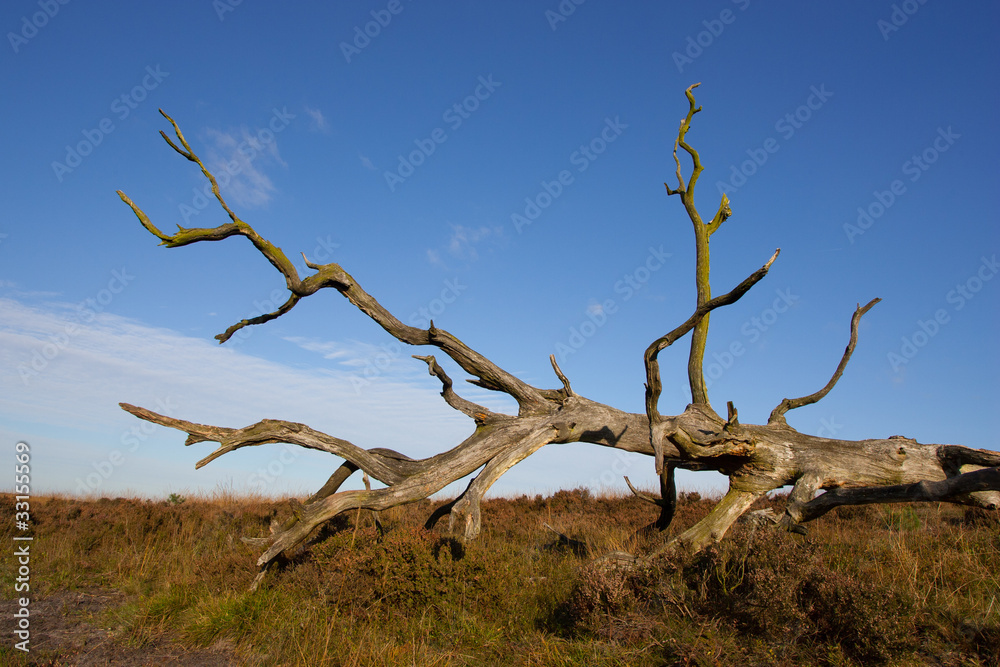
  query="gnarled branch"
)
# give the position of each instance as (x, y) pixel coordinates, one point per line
(757, 458)
(488, 374)
(654, 386)
(953, 489)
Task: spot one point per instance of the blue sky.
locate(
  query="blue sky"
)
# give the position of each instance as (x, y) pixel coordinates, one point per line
(500, 166)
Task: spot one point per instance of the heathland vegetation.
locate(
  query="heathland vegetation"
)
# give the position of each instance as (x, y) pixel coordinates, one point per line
(129, 581)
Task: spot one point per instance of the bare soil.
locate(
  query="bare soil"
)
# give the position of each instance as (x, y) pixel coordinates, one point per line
(67, 629)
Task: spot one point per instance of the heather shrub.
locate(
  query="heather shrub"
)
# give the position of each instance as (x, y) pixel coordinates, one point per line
(869, 622)
(407, 568)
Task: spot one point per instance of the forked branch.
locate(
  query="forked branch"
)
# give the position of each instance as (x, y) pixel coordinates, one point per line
(654, 385)
(702, 233)
(385, 465)
(686, 192)
(530, 399)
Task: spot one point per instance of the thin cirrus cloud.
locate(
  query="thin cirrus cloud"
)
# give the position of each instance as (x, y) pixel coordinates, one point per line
(318, 120)
(66, 378)
(464, 243)
(238, 159)
(371, 395)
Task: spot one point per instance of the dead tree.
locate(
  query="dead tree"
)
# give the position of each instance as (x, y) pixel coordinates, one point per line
(756, 458)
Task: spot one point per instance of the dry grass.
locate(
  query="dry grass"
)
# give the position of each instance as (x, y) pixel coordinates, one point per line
(910, 585)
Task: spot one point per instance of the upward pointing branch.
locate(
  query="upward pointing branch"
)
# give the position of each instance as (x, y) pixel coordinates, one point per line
(702, 232)
(654, 386)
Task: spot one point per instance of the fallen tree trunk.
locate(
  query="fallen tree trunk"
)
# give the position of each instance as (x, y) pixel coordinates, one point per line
(756, 458)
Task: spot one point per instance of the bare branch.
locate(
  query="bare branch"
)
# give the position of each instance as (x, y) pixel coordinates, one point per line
(951, 489)
(733, 422)
(465, 518)
(189, 154)
(474, 410)
(260, 319)
(643, 496)
(490, 376)
(668, 497)
(778, 414)
(687, 192)
(667, 502)
(384, 465)
(144, 219)
(711, 529)
(561, 376)
(732, 296)
(702, 232)
(654, 386)
(680, 177)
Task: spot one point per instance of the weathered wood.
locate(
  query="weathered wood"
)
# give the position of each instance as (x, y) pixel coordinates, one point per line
(976, 481)
(756, 458)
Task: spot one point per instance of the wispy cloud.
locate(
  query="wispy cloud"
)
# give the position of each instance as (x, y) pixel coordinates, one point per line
(319, 123)
(366, 162)
(354, 354)
(74, 396)
(239, 158)
(465, 242)
(69, 409)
